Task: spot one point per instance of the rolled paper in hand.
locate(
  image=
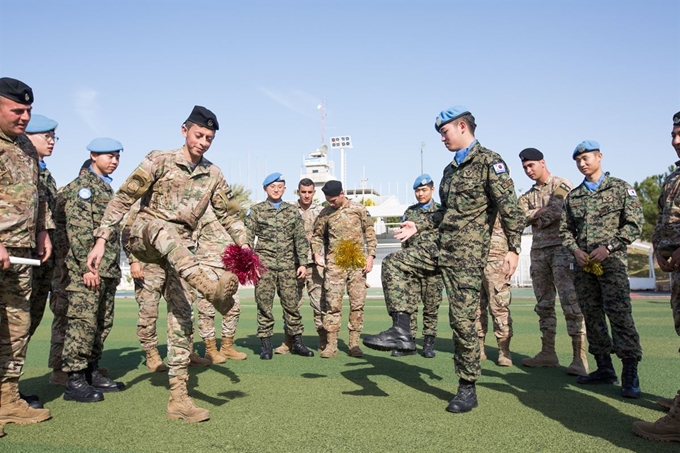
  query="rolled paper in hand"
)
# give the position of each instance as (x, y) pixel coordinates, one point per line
(29, 261)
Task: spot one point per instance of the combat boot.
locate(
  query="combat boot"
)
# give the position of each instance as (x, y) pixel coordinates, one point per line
(15, 410)
(354, 349)
(546, 358)
(604, 374)
(504, 355)
(100, 382)
(630, 384)
(428, 347)
(323, 339)
(286, 346)
(58, 377)
(218, 293)
(579, 365)
(266, 352)
(299, 347)
(211, 352)
(228, 351)
(665, 429)
(32, 400)
(466, 398)
(331, 349)
(195, 359)
(482, 352)
(153, 361)
(665, 403)
(180, 405)
(78, 389)
(396, 337)
(397, 353)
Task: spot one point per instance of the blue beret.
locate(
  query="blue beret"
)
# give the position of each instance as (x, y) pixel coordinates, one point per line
(16, 90)
(104, 145)
(446, 116)
(585, 146)
(422, 180)
(40, 123)
(274, 177)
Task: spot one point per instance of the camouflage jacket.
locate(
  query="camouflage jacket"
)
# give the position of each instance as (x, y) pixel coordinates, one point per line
(170, 190)
(281, 241)
(416, 213)
(349, 221)
(48, 186)
(545, 226)
(212, 239)
(85, 199)
(471, 193)
(126, 231)
(309, 216)
(499, 243)
(610, 215)
(666, 236)
(23, 205)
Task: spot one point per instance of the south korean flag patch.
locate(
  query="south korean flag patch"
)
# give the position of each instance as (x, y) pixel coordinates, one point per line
(632, 193)
(499, 168)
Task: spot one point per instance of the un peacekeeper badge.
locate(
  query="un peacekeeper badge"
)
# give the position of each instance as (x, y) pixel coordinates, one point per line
(499, 168)
(85, 193)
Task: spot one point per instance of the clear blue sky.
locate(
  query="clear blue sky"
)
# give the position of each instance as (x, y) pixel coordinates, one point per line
(546, 74)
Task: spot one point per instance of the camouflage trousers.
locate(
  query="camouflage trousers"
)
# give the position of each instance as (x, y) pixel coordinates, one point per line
(59, 306)
(148, 291)
(15, 317)
(496, 297)
(608, 297)
(207, 312)
(335, 282)
(552, 267)
(675, 300)
(42, 282)
(89, 320)
(314, 285)
(285, 283)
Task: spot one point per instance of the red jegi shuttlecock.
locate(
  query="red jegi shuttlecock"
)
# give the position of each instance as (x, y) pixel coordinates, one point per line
(244, 263)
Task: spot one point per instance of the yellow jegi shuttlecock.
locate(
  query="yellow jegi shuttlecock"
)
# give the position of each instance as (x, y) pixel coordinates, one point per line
(593, 267)
(349, 254)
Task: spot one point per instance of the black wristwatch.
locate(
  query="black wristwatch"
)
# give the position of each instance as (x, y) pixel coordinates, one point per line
(516, 250)
(610, 248)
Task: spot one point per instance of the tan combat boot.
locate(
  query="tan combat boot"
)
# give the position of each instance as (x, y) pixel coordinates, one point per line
(665, 429)
(154, 362)
(195, 359)
(504, 355)
(180, 405)
(331, 349)
(323, 339)
(58, 377)
(482, 352)
(354, 349)
(228, 351)
(211, 352)
(579, 365)
(545, 358)
(15, 410)
(665, 403)
(285, 346)
(218, 293)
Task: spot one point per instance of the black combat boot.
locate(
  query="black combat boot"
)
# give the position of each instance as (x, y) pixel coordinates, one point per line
(299, 347)
(396, 337)
(630, 384)
(466, 398)
(32, 400)
(604, 374)
(398, 353)
(428, 347)
(77, 389)
(101, 382)
(266, 353)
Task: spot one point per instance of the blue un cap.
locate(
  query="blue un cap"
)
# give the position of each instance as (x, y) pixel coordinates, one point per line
(274, 177)
(422, 180)
(39, 124)
(104, 145)
(446, 116)
(585, 146)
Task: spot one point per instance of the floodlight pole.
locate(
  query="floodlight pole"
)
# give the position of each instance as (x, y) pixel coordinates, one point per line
(343, 165)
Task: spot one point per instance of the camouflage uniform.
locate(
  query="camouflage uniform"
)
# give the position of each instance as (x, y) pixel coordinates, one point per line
(89, 313)
(23, 213)
(282, 247)
(59, 295)
(314, 280)
(349, 221)
(175, 195)
(610, 215)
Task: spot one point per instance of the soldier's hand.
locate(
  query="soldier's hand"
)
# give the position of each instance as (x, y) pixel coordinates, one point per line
(407, 230)
(665, 264)
(674, 261)
(92, 281)
(510, 263)
(44, 246)
(94, 258)
(599, 254)
(136, 270)
(369, 265)
(580, 256)
(301, 272)
(4, 257)
(318, 259)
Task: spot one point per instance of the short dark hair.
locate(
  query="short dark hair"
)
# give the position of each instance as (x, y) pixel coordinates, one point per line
(470, 121)
(305, 182)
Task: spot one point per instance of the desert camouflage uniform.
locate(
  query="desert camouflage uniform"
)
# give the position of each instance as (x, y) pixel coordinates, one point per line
(471, 193)
(23, 213)
(89, 313)
(495, 294)
(349, 221)
(610, 215)
(282, 247)
(314, 280)
(175, 195)
(551, 263)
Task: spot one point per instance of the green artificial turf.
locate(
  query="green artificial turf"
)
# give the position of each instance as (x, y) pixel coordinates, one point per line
(373, 404)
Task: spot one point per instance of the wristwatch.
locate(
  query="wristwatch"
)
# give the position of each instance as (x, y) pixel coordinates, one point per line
(610, 248)
(516, 250)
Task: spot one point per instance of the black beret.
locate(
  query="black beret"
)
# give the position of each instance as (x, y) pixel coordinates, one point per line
(676, 120)
(332, 188)
(204, 117)
(530, 154)
(16, 90)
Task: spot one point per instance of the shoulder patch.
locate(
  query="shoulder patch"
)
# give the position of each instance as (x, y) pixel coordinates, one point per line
(499, 168)
(248, 212)
(137, 183)
(632, 193)
(85, 193)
